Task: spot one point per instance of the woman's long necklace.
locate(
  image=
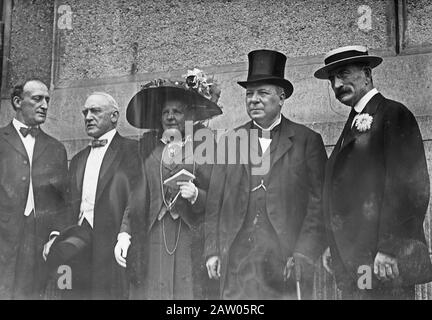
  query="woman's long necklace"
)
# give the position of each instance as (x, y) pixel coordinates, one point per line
(169, 207)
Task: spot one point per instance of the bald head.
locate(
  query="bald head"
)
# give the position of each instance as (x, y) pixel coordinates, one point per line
(101, 113)
(30, 101)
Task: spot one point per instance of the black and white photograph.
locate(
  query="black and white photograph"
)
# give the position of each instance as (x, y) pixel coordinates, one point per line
(215, 155)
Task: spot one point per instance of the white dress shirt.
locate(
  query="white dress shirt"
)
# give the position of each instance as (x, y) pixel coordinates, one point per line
(29, 143)
(361, 104)
(265, 142)
(91, 177)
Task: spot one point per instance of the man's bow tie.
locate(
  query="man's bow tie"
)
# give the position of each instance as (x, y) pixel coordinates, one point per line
(98, 143)
(33, 131)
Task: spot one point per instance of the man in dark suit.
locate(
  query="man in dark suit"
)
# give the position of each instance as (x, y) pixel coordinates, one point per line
(33, 167)
(101, 178)
(261, 214)
(377, 185)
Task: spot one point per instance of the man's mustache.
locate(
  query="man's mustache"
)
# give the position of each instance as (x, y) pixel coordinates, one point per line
(341, 92)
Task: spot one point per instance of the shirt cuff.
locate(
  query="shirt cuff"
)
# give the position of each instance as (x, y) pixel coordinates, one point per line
(123, 236)
(53, 234)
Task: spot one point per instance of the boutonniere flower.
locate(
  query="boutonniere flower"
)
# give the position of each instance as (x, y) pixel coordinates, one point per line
(363, 121)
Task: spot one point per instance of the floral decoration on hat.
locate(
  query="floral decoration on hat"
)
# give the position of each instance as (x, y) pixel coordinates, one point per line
(197, 80)
(196, 90)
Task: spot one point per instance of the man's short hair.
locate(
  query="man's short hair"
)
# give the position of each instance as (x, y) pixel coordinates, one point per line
(109, 98)
(18, 89)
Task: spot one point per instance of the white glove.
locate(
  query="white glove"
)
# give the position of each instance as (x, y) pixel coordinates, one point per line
(213, 265)
(327, 261)
(121, 248)
(47, 247)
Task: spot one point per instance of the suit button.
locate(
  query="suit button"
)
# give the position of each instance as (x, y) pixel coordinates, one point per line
(24, 178)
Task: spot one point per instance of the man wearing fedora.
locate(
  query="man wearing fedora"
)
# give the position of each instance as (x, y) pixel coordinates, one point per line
(33, 170)
(101, 179)
(257, 221)
(376, 184)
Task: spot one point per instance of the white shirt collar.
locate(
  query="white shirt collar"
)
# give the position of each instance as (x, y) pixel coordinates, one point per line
(274, 124)
(108, 135)
(18, 124)
(361, 104)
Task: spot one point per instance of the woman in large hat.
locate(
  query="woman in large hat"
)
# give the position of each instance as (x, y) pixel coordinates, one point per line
(166, 214)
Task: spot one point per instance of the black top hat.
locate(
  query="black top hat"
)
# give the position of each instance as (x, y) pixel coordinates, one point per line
(68, 244)
(346, 55)
(267, 66)
(145, 108)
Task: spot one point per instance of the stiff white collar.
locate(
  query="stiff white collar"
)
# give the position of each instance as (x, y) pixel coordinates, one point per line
(361, 104)
(274, 124)
(108, 135)
(18, 124)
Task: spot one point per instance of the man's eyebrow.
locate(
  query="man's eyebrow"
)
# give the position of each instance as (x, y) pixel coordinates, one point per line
(40, 95)
(261, 89)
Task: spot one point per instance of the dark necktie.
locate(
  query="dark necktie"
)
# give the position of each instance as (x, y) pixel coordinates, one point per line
(98, 143)
(347, 133)
(33, 131)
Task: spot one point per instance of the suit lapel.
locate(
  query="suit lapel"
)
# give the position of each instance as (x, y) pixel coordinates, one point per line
(283, 143)
(81, 164)
(370, 108)
(12, 137)
(110, 161)
(245, 157)
(41, 142)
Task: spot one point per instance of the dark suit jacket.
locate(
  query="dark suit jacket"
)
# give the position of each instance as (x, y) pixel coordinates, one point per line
(376, 189)
(116, 180)
(293, 196)
(49, 172)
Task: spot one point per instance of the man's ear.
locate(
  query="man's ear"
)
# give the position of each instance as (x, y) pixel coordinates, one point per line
(282, 96)
(368, 72)
(115, 116)
(16, 102)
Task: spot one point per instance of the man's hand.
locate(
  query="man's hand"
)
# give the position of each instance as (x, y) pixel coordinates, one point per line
(289, 268)
(213, 265)
(385, 267)
(188, 190)
(299, 266)
(121, 248)
(327, 261)
(47, 248)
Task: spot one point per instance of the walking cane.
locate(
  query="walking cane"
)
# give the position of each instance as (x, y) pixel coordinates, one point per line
(297, 270)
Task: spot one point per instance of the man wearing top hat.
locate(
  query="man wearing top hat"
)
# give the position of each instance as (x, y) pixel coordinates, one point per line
(101, 179)
(376, 187)
(33, 170)
(258, 220)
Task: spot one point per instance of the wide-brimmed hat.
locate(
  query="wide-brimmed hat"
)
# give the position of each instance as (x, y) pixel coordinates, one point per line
(68, 244)
(267, 66)
(346, 55)
(145, 108)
